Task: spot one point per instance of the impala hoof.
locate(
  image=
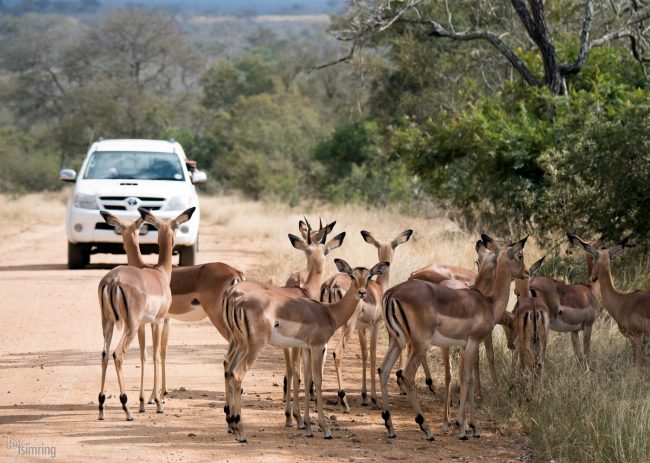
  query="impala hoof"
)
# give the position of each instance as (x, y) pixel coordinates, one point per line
(129, 418)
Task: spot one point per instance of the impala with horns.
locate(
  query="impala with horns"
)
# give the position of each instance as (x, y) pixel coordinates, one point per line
(315, 250)
(630, 311)
(132, 297)
(418, 313)
(573, 308)
(299, 278)
(367, 316)
(197, 291)
(259, 318)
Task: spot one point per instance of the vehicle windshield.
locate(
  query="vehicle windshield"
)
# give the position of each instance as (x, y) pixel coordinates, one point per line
(134, 165)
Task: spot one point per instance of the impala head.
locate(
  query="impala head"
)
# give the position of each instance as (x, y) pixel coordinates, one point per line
(361, 275)
(596, 244)
(166, 227)
(314, 244)
(522, 287)
(132, 229)
(510, 257)
(602, 257)
(386, 248)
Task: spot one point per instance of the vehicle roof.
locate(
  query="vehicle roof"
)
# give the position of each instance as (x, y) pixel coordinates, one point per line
(158, 146)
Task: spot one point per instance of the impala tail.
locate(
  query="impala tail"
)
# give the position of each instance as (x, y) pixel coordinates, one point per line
(395, 319)
(113, 301)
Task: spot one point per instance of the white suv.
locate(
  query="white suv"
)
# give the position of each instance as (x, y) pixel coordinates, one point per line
(119, 176)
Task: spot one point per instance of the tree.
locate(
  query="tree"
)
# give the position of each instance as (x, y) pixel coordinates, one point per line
(365, 21)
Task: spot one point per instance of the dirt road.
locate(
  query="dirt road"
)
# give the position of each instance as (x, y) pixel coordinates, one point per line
(50, 343)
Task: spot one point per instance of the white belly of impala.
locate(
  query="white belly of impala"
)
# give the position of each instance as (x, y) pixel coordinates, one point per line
(279, 340)
(442, 341)
(196, 314)
(560, 325)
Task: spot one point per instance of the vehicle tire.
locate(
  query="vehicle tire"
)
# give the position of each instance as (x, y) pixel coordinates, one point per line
(187, 255)
(78, 256)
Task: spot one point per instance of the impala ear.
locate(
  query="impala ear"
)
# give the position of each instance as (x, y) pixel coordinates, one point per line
(480, 247)
(600, 242)
(182, 218)
(343, 266)
(401, 238)
(321, 236)
(518, 245)
(114, 221)
(379, 268)
(148, 216)
(302, 226)
(576, 240)
(297, 243)
(535, 267)
(489, 242)
(618, 248)
(334, 243)
(369, 238)
(138, 223)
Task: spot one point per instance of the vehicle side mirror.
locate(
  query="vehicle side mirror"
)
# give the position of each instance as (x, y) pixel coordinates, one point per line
(68, 175)
(198, 176)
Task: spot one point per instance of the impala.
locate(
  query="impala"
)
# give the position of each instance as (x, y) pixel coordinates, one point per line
(573, 308)
(367, 316)
(528, 325)
(259, 317)
(197, 291)
(419, 313)
(630, 311)
(132, 297)
(315, 251)
(457, 278)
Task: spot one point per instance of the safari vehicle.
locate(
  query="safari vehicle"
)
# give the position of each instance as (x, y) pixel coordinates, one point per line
(120, 176)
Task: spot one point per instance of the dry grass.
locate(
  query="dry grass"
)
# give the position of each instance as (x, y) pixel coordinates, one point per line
(33, 208)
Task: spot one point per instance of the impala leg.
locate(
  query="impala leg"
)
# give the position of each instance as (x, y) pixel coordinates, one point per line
(407, 378)
(129, 334)
(306, 362)
(236, 351)
(427, 373)
(157, 335)
(586, 343)
(295, 357)
(289, 377)
(576, 348)
(108, 336)
(466, 391)
(444, 353)
(238, 372)
(143, 358)
(402, 364)
(637, 352)
(373, 365)
(163, 358)
(392, 354)
(477, 376)
(489, 352)
(317, 374)
(363, 344)
(346, 334)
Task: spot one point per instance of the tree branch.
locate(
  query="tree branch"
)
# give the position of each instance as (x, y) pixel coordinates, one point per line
(574, 67)
(494, 40)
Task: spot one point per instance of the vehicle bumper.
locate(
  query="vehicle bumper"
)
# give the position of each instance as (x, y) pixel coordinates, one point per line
(82, 228)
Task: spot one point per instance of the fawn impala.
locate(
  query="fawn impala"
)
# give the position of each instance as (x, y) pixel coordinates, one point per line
(258, 317)
(630, 311)
(197, 291)
(368, 315)
(573, 308)
(528, 325)
(132, 297)
(315, 250)
(419, 313)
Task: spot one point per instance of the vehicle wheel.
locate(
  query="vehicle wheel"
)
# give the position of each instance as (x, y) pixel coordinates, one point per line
(187, 255)
(78, 256)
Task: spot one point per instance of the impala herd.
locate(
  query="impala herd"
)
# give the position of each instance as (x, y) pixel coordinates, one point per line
(438, 305)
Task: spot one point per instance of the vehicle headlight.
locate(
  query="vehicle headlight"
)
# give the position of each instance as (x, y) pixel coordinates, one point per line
(178, 203)
(83, 201)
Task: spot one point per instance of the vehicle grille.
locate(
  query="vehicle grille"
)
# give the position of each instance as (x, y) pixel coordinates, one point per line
(118, 203)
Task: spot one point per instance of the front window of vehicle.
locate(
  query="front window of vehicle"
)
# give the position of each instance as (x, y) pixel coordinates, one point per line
(140, 165)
